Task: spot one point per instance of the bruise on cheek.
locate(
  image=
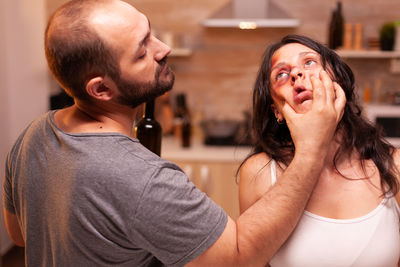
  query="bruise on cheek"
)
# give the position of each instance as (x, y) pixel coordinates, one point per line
(276, 97)
(329, 71)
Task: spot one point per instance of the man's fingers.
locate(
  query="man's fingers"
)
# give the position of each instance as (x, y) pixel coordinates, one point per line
(340, 100)
(288, 112)
(328, 86)
(319, 94)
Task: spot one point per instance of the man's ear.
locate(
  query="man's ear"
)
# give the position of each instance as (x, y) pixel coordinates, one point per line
(100, 88)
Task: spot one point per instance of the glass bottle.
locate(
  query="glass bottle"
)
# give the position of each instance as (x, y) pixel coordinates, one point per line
(183, 115)
(148, 130)
(336, 28)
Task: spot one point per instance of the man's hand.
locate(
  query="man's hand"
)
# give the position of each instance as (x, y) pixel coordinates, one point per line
(314, 129)
(259, 232)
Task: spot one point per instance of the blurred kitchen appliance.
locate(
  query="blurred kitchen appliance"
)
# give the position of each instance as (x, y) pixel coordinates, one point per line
(388, 117)
(220, 132)
(227, 132)
(251, 14)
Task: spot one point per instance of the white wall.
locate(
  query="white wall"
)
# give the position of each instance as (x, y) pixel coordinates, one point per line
(24, 82)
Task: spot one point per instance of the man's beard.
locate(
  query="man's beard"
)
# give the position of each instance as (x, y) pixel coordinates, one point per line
(134, 93)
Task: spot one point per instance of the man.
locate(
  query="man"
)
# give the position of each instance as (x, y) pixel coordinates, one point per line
(79, 191)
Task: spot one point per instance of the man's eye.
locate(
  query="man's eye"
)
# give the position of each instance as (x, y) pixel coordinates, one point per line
(142, 56)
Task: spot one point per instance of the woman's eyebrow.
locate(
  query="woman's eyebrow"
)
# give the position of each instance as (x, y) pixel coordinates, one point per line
(302, 54)
(278, 66)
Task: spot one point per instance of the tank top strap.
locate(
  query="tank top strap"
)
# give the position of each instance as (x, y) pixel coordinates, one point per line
(273, 172)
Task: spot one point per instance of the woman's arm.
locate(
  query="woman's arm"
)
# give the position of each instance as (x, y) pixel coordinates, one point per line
(254, 180)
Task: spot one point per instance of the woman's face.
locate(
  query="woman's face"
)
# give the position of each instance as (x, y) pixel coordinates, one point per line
(291, 68)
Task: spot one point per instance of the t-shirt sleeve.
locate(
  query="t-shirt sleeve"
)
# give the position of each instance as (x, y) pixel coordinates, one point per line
(175, 221)
(7, 189)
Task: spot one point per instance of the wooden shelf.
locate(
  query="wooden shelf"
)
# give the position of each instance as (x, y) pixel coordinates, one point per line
(180, 52)
(250, 23)
(368, 54)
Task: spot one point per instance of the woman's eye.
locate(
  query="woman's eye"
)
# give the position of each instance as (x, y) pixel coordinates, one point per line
(280, 75)
(309, 63)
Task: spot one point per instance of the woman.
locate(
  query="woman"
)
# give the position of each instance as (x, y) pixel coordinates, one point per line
(352, 217)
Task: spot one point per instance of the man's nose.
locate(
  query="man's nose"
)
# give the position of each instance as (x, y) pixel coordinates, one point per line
(162, 50)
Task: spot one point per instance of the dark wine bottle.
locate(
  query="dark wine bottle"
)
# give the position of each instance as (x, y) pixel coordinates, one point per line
(148, 130)
(336, 28)
(331, 37)
(183, 116)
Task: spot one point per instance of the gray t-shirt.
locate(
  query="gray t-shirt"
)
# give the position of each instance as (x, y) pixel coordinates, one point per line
(103, 199)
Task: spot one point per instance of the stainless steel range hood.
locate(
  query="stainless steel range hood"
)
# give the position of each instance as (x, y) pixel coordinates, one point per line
(250, 14)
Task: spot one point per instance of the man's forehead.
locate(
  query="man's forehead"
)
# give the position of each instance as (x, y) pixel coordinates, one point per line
(112, 14)
(116, 20)
(122, 27)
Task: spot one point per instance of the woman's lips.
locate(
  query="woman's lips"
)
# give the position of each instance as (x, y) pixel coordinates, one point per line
(301, 95)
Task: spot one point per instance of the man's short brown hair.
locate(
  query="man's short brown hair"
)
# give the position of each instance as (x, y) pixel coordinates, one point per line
(74, 51)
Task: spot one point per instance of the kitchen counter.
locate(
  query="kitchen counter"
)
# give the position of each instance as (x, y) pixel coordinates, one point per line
(172, 150)
(211, 168)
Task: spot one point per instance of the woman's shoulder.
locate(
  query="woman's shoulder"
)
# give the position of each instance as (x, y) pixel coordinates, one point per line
(254, 179)
(255, 164)
(255, 172)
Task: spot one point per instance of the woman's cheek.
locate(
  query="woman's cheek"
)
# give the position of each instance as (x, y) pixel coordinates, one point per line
(278, 97)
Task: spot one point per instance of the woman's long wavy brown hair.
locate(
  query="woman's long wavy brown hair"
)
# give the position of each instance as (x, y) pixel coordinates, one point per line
(357, 133)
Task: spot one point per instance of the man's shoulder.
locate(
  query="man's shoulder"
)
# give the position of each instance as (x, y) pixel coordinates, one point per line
(33, 128)
(125, 156)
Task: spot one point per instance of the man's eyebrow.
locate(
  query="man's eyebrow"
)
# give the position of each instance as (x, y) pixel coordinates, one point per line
(141, 43)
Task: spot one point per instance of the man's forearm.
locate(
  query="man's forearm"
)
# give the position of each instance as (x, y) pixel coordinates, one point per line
(258, 233)
(265, 226)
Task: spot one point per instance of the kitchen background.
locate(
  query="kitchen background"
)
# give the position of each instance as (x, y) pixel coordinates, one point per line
(219, 72)
(215, 67)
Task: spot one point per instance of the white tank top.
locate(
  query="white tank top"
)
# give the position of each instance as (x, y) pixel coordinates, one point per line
(372, 240)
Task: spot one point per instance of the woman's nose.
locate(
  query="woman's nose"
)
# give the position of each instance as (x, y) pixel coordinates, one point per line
(296, 73)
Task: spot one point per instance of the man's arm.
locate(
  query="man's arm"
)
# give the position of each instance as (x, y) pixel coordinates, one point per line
(258, 233)
(13, 228)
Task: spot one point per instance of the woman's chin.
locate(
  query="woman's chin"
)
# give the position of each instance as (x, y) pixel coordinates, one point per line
(304, 107)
